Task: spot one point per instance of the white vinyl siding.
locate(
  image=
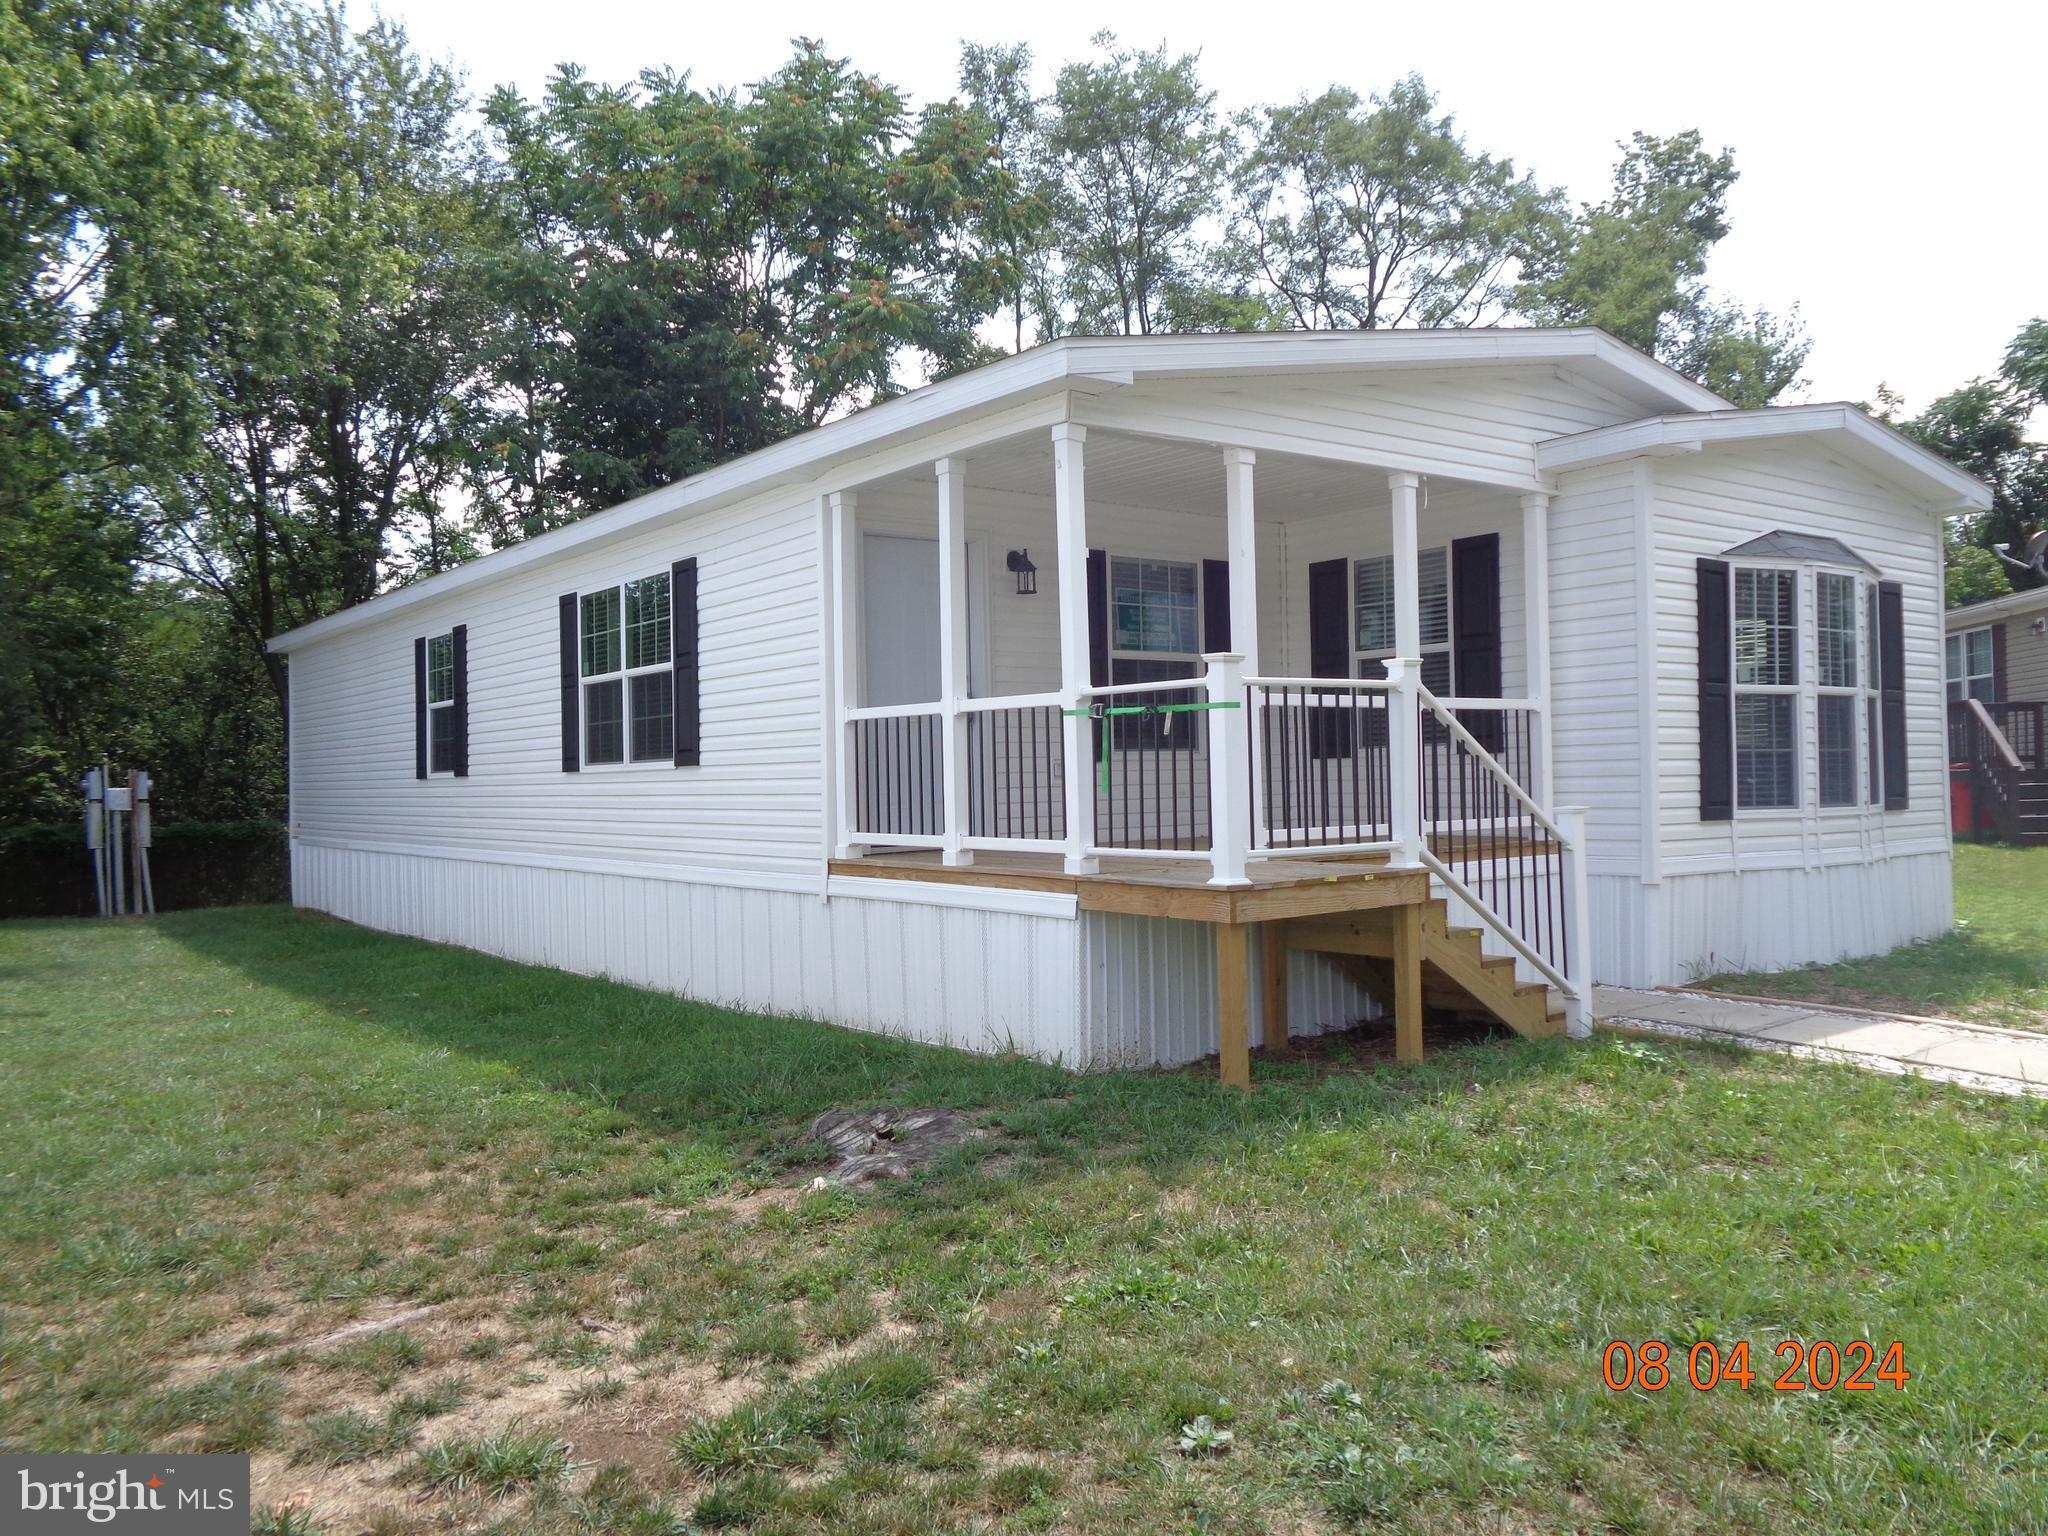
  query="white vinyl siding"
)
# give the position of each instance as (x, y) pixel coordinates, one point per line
(1721, 498)
(755, 804)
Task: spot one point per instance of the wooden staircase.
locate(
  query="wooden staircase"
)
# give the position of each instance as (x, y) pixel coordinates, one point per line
(1458, 976)
(2003, 749)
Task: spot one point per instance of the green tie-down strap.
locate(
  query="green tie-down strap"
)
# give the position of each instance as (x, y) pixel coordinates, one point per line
(1105, 711)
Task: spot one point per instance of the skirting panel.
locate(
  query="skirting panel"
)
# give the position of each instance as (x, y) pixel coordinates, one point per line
(1765, 919)
(1148, 991)
(981, 981)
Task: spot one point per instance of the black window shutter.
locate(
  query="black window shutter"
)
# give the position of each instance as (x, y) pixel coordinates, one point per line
(682, 587)
(419, 708)
(1098, 618)
(1475, 642)
(1216, 606)
(1717, 694)
(1329, 651)
(459, 645)
(1891, 661)
(572, 715)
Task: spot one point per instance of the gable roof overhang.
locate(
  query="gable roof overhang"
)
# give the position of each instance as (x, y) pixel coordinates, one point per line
(1070, 365)
(1856, 436)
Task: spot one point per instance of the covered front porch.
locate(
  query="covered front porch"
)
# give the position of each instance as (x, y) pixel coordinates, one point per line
(1200, 680)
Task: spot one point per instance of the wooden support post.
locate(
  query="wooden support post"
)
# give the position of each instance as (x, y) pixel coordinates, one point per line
(1070, 517)
(1233, 1003)
(1408, 983)
(952, 477)
(1273, 986)
(842, 511)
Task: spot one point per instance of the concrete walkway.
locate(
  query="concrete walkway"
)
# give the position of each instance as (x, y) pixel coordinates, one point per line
(1975, 1055)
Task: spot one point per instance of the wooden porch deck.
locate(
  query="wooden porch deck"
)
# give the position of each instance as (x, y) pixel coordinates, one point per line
(1382, 926)
(1156, 887)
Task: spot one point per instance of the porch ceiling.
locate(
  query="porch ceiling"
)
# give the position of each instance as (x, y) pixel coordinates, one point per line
(1128, 470)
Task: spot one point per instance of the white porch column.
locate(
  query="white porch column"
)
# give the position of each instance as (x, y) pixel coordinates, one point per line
(842, 514)
(1578, 970)
(1243, 552)
(1230, 786)
(1536, 629)
(1406, 490)
(952, 475)
(1404, 765)
(1070, 515)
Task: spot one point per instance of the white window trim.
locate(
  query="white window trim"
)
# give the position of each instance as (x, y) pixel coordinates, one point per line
(1116, 653)
(434, 705)
(1446, 646)
(1856, 693)
(1806, 719)
(1961, 640)
(624, 676)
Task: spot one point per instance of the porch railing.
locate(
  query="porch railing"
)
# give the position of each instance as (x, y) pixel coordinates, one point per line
(1222, 768)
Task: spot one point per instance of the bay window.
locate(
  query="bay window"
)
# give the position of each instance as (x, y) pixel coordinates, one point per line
(1766, 632)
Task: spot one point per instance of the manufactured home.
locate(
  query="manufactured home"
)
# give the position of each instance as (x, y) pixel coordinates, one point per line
(1998, 713)
(1131, 700)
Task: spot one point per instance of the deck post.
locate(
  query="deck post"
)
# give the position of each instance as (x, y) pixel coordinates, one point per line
(1070, 516)
(1273, 1031)
(842, 509)
(1233, 1003)
(1578, 1005)
(1230, 766)
(1404, 761)
(1408, 982)
(953, 677)
(1242, 547)
(1536, 628)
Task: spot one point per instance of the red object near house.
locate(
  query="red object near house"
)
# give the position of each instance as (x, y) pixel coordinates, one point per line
(1962, 805)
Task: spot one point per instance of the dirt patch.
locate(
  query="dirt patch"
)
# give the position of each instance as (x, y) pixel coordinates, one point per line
(872, 1144)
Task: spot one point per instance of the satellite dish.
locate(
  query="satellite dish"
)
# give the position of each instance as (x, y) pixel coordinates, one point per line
(2033, 558)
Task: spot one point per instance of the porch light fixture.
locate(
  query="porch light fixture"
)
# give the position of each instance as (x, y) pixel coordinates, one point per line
(1019, 561)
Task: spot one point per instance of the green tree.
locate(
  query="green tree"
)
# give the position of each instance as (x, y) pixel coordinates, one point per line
(996, 80)
(1359, 213)
(1134, 157)
(340, 330)
(1635, 265)
(1986, 428)
(705, 272)
(108, 113)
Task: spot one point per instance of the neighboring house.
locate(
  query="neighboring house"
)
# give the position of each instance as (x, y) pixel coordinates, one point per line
(1119, 700)
(1998, 708)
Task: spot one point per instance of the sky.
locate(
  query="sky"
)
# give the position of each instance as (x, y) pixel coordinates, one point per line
(1891, 158)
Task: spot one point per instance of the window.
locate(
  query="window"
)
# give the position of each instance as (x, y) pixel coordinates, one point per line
(1970, 666)
(628, 673)
(1155, 633)
(441, 724)
(1373, 606)
(1837, 681)
(1766, 634)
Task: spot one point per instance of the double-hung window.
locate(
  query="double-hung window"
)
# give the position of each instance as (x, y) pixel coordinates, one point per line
(1372, 586)
(1971, 670)
(441, 723)
(1155, 633)
(628, 673)
(1766, 634)
(1838, 686)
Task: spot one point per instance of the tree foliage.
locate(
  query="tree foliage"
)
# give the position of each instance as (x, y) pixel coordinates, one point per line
(1356, 213)
(284, 322)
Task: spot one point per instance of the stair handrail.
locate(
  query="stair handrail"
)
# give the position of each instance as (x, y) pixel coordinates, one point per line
(1568, 828)
(1990, 728)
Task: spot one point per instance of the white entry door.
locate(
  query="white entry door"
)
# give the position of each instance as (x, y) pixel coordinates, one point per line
(899, 619)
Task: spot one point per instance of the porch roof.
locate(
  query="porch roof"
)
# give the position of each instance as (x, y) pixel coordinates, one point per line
(1070, 364)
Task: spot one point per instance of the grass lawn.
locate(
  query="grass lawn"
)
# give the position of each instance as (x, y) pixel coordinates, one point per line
(571, 1223)
(1993, 969)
